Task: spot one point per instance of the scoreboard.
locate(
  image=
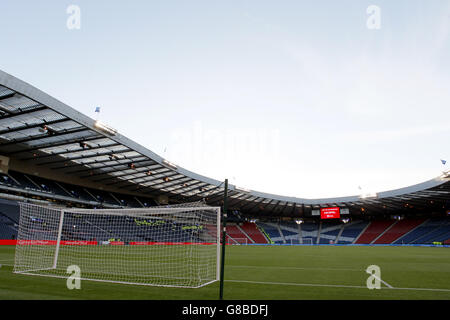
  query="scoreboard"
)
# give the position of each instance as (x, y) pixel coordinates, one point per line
(330, 213)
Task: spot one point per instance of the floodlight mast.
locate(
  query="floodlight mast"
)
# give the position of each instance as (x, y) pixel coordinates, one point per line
(224, 235)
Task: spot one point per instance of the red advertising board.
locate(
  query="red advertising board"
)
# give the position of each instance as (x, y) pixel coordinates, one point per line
(54, 242)
(330, 213)
(8, 242)
(94, 243)
(147, 243)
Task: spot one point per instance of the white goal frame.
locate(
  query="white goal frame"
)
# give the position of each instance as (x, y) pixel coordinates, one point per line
(237, 241)
(33, 254)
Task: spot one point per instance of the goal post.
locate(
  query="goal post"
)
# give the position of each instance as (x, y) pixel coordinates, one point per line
(176, 246)
(58, 239)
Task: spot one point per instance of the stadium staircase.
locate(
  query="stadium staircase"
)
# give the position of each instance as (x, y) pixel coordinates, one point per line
(340, 233)
(318, 233)
(300, 234)
(329, 232)
(384, 232)
(236, 235)
(290, 231)
(254, 233)
(309, 233)
(245, 233)
(272, 231)
(281, 233)
(373, 231)
(351, 231)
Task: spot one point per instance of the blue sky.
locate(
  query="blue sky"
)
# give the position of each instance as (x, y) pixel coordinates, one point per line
(288, 97)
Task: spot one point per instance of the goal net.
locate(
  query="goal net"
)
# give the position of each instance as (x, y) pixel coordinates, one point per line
(161, 246)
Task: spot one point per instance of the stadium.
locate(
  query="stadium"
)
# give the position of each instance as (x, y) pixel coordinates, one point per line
(74, 191)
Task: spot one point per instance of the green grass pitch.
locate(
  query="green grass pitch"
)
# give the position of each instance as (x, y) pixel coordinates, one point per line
(271, 272)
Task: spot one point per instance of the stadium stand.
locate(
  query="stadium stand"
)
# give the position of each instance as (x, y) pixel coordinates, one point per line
(399, 229)
(235, 235)
(289, 232)
(373, 231)
(408, 231)
(417, 235)
(329, 232)
(271, 230)
(8, 229)
(7, 180)
(79, 228)
(251, 229)
(102, 197)
(309, 232)
(22, 180)
(9, 219)
(10, 209)
(63, 192)
(47, 185)
(351, 232)
(439, 230)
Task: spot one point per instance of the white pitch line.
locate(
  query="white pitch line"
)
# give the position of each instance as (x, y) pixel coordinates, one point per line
(384, 282)
(298, 284)
(294, 268)
(333, 285)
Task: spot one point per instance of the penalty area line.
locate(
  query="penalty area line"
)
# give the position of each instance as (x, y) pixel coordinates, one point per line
(297, 284)
(331, 285)
(295, 268)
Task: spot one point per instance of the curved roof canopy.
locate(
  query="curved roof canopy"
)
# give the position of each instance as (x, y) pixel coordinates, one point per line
(38, 129)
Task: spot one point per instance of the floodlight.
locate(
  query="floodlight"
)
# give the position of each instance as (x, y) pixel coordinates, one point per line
(170, 164)
(368, 195)
(105, 128)
(241, 189)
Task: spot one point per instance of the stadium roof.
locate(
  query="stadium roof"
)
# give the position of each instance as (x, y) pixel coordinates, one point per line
(39, 130)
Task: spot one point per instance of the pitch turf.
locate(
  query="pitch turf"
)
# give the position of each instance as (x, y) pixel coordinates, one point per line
(272, 272)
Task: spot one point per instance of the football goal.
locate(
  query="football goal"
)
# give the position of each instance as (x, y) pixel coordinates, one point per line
(176, 246)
